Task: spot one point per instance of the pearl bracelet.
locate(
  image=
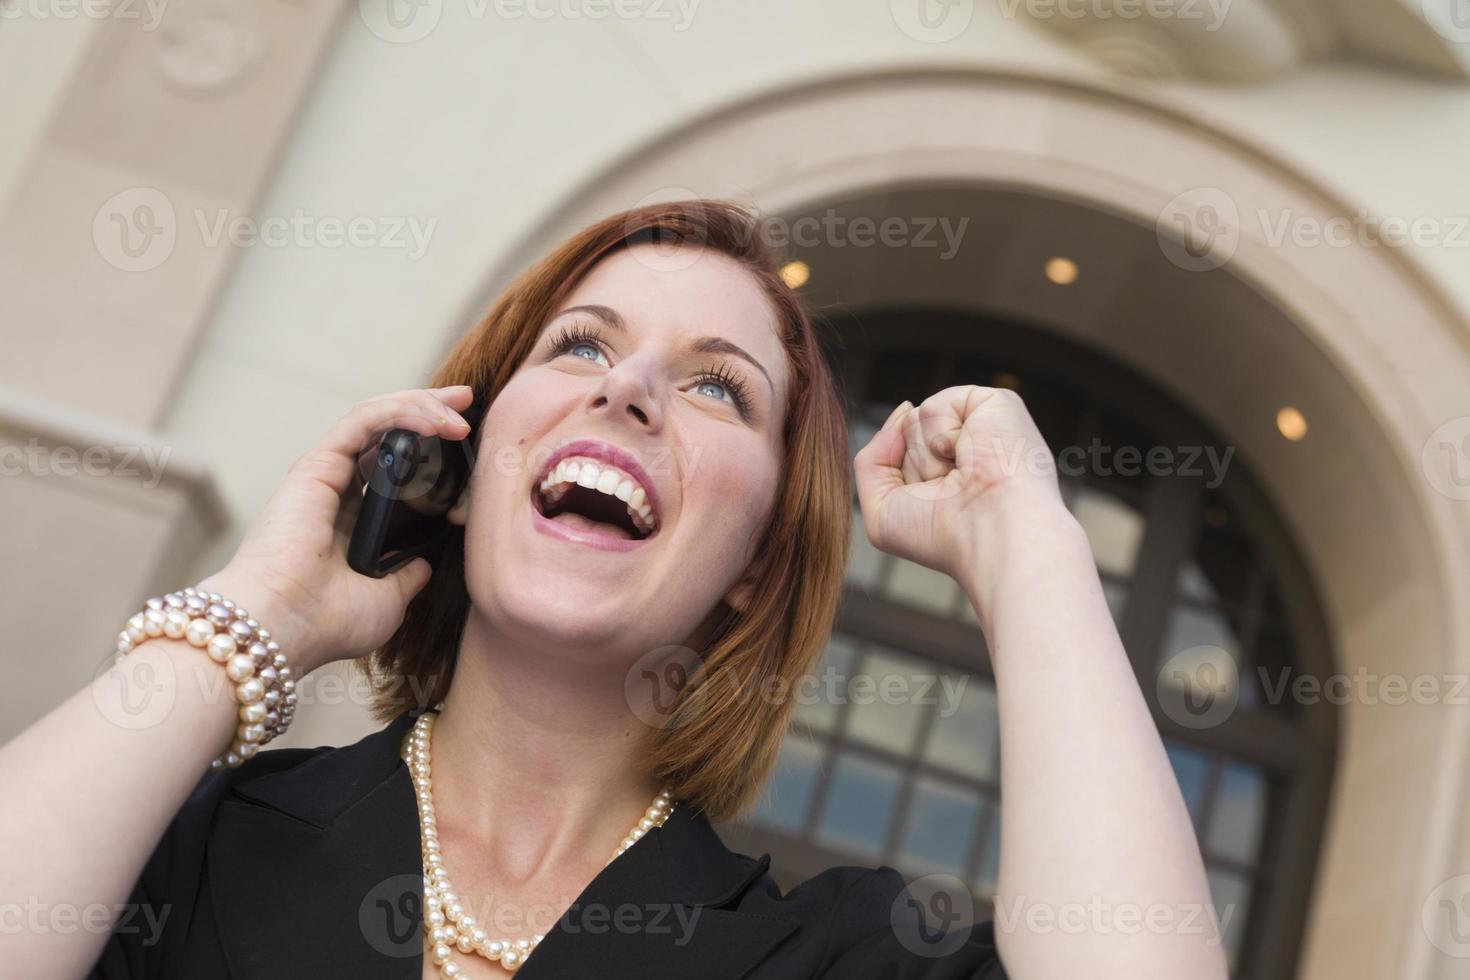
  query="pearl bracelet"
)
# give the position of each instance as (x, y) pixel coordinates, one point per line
(252, 660)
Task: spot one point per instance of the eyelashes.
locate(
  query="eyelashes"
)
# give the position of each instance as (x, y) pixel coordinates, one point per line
(570, 336)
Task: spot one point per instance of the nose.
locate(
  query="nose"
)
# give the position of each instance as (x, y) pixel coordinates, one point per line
(630, 391)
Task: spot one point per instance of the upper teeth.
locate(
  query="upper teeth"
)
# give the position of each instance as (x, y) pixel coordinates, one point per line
(604, 479)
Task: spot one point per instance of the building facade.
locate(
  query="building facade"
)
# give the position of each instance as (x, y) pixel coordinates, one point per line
(1220, 249)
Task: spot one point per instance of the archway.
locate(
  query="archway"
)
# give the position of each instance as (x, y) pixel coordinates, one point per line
(1354, 337)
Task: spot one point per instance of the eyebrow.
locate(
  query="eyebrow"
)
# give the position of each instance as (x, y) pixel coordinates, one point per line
(704, 345)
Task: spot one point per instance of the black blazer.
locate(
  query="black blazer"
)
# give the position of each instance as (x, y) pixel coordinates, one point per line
(306, 863)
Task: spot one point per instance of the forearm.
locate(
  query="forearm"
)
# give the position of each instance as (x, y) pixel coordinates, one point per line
(1100, 874)
(89, 790)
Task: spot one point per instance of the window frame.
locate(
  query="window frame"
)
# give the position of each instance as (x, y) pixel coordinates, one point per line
(932, 349)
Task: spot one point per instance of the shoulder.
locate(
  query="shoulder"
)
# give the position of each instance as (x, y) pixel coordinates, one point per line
(303, 781)
(219, 785)
(857, 922)
(167, 898)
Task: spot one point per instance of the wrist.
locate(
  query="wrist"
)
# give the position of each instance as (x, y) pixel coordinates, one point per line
(1015, 534)
(288, 625)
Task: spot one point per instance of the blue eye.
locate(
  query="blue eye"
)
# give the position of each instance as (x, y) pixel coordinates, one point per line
(585, 345)
(724, 380)
(717, 386)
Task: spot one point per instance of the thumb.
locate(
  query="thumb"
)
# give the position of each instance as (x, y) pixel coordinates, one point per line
(409, 579)
(878, 464)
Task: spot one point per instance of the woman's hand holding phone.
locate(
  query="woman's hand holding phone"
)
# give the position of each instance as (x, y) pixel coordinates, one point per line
(288, 572)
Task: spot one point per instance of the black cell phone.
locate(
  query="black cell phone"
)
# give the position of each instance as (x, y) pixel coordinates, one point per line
(413, 483)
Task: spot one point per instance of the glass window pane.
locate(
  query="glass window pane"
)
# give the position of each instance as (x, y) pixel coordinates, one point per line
(967, 611)
(1193, 583)
(1231, 895)
(1276, 614)
(1240, 812)
(882, 695)
(1191, 769)
(922, 587)
(990, 856)
(1273, 669)
(817, 699)
(1224, 555)
(1116, 594)
(965, 736)
(788, 794)
(860, 431)
(1113, 528)
(864, 562)
(940, 827)
(1192, 625)
(859, 805)
(1183, 665)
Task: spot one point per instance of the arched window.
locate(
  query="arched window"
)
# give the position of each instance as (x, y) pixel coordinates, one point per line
(1193, 562)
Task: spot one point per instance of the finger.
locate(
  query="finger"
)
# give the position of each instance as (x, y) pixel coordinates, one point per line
(334, 460)
(407, 580)
(921, 463)
(435, 401)
(458, 397)
(942, 422)
(877, 466)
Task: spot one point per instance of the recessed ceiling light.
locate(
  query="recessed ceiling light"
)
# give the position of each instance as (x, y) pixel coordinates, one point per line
(1062, 271)
(795, 274)
(1291, 424)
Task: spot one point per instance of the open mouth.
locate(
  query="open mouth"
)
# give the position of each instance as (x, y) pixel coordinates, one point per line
(597, 497)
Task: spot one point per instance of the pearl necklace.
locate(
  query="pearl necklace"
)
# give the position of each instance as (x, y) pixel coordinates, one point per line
(446, 923)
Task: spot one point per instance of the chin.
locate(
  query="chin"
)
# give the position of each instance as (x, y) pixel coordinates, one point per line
(563, 610)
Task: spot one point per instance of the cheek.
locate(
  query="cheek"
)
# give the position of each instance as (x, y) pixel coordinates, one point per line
(739, 496)
(512, 430)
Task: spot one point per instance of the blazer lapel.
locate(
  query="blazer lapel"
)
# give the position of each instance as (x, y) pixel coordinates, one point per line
(315, 871)
(663, 909)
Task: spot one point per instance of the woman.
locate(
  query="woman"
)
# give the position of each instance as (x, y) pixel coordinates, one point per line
(651, 554)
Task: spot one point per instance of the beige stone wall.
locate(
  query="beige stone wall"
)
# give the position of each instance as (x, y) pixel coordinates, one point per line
(462, 145)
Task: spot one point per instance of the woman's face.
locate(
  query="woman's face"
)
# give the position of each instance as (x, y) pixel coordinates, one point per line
(667, 362)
